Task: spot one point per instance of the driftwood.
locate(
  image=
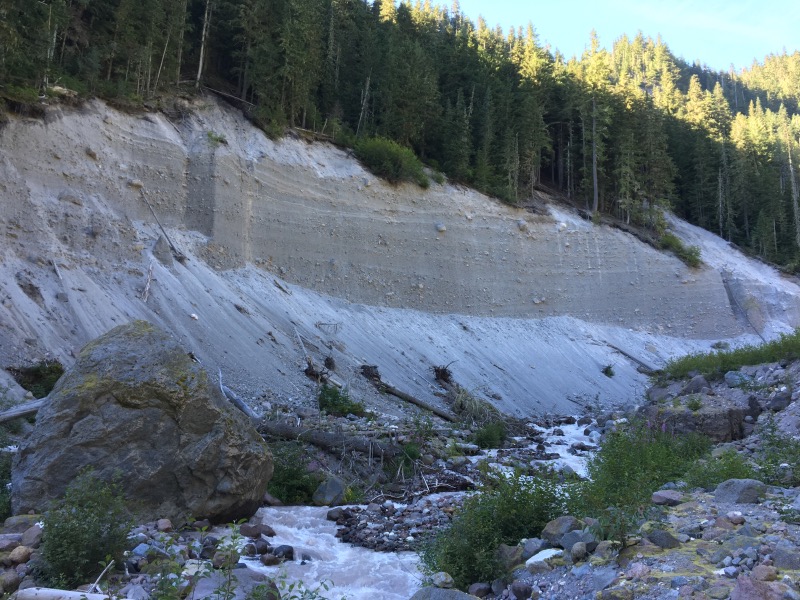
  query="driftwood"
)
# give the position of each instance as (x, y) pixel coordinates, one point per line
(371, 373)
(179, 256)
(23, 410)
(643, 366)
(327, 440)
(236, 400)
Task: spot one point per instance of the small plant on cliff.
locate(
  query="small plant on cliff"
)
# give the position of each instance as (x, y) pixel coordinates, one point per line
(89, 524)
(390, 160)
(690, 255)
(337, 402)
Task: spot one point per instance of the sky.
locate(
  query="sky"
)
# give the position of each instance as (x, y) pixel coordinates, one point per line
(717, 33)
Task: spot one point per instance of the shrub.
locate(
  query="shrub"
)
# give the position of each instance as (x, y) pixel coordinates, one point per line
(291, 481)
(5, 482)
(690, 255)
(776, 452)
(694, 403)
(337, 402)
(39, 379)
(608, 371)
(390, 160)
(89, 524)
(491, 435)
(516, 508)
(716, 364)
(632, 463)
(709, 473)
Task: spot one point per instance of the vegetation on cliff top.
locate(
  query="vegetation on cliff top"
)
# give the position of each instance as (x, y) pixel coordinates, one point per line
(622, 131)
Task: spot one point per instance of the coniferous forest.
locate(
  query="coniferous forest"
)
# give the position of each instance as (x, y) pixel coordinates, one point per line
(622, 132)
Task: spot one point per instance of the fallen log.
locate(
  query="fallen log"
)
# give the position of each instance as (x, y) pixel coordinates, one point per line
(371, 373)
(327, 440)
(40, 593)
(23, 410)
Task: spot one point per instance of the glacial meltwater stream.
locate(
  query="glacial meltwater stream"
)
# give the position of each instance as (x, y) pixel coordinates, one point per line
(351, 571)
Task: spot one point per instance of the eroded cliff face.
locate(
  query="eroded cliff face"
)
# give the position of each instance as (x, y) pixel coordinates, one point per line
(398, 276)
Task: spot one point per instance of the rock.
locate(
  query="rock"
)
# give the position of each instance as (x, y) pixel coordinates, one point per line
(578, 551)
(663, 539)
(540, 562)
(163, 252)
(694, 386)
(571, 538)
(521, 589)
(442, 580)
(480, 589)
(786, 556)
(736, 378)
(9, 541)
(9, 581)
(509, 556)
(32, 537)
(256, 530)
(532, 546)
(20, 523)
(616, 593)
(330, 492)
(335, 514)
(555, 529)
(164, 525)
(284, 552)
(270, 560)
(751, 589)
(718, 592)
(740, 491)
(134, 402)
(778, 400)
(764, 573)
(225, 559)
(667, 498)
(20, 554)
(606, 550)
(434, 593)
(721, 424)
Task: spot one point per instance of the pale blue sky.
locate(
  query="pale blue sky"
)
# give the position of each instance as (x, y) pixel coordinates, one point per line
(718, 32)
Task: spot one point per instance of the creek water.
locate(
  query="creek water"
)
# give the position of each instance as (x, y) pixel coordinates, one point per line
(357, 573)
(350, 571)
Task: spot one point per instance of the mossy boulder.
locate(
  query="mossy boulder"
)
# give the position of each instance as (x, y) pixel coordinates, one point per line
(136, 407)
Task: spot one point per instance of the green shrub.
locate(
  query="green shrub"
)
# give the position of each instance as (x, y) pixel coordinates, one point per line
(632, 463)
(89, 524)
(291, 482)
(39, 379)
(690, 255)
(390, 160)
(608, 371)
(716, 364)
(337, 402)
(491, 435)
(5, 482)
(694, 403)
(776, 452)
(516, 508)
(710, 472)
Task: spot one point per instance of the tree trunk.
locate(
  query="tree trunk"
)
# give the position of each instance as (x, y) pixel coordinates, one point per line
(595, 190)
(795, 201)
(203, 41)
(327, 440)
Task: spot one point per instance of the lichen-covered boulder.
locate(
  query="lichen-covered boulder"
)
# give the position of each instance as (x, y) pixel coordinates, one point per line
(137, 408)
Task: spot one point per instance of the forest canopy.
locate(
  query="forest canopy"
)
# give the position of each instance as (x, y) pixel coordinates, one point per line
(625, 131)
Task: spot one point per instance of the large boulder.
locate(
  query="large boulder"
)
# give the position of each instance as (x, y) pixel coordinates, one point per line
(135, 406)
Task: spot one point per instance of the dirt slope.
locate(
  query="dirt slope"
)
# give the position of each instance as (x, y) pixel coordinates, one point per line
(289, 236)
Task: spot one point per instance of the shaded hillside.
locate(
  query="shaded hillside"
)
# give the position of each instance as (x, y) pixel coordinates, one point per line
(288, 239)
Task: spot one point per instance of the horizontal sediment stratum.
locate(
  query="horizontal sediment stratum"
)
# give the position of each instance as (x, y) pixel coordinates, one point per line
(289, 240)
